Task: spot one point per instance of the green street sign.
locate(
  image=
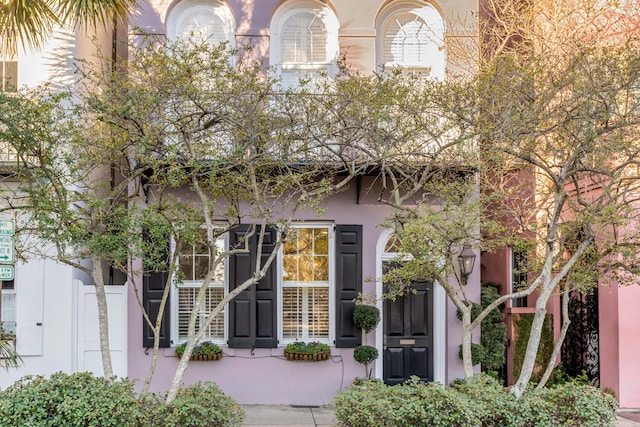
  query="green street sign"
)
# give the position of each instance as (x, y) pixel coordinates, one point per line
(6, 272)
(7, 227)
(7, 253)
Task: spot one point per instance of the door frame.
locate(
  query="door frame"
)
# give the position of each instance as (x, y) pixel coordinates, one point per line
(439, 315)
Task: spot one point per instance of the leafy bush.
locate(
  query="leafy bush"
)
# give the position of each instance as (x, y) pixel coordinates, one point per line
(78, 399)
(581, 405)
(477, 401)
(366, 317)
(412, 404)
(199, 405)
(306, 348)
(487, 399)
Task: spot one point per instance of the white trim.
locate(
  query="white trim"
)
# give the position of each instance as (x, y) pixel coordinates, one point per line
(439, 316)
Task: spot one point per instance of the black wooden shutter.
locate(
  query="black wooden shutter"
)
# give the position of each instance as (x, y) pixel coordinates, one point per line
(348, 283)
(153, 284)
(253, 312)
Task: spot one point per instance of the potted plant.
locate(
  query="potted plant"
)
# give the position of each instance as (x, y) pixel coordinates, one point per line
(366, 354)
(312, 351)
(205, 350)
(366, 317)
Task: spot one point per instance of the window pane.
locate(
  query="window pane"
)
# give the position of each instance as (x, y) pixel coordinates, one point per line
(186, 266)
(305, 313)
(186, 302)
(290, 267)
(305, 241)
(321, 242)
(305, 272)
(291, 313)
(201, 267)
(304, 39)
(9, 76)
(8, 312)
(319, 313)
(321, 268)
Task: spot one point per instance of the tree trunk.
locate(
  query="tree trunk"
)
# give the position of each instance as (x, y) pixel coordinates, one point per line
(558, 344)
(103, 318)
(467, 336)
(534, 342)
(156, 337)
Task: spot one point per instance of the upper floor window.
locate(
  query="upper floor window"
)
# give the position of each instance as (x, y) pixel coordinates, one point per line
(411, 35)
(304, 42)
(200, 21)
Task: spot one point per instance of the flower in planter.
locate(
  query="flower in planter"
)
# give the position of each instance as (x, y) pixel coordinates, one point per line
(205, 350)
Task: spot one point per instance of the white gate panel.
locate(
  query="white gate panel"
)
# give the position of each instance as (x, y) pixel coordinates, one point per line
(89, 355)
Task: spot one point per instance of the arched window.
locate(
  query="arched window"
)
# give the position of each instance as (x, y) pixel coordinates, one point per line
(304, 41)
(201, 20)
(411, 35)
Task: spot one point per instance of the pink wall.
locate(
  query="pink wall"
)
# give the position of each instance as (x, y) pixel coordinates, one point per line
(265, 376)
(609, 338)
(619, 345)
(628, 345)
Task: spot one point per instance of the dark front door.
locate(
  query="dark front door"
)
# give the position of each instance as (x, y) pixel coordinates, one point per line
(408, 343)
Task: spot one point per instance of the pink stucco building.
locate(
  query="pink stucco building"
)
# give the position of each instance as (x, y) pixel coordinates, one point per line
(301, 38)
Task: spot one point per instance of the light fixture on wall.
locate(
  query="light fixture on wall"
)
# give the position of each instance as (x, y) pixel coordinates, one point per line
(466, 261)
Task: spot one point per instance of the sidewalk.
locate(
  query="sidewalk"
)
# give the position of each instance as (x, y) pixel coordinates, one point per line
(628, 417)
(285, 415)
(323, 416)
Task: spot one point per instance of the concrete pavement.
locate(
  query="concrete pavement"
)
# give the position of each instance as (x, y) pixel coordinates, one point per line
(285, 415)
(323, 416)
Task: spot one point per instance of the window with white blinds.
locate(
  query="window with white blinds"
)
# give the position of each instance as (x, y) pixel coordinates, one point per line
(412, 38)
(306, 284)
(304, 43)
(200, 21)
(193, 265)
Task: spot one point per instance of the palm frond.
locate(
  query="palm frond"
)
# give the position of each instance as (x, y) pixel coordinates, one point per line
(9, 358)
(27, 21)
(94, 11)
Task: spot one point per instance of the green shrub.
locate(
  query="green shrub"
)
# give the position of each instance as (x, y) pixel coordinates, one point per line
(487, 399)
(477, 401)
(366, 317)
(532, 410)
(371, 403)
(199, 405)
(581, 405)
(78, 399)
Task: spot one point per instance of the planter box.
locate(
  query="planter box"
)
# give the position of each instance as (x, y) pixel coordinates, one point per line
(215, 356)
(315, 357)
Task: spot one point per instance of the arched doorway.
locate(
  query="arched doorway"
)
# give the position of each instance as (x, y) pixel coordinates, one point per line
(411, 338)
